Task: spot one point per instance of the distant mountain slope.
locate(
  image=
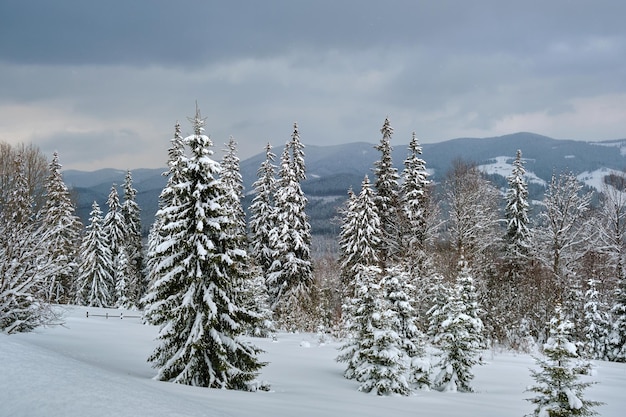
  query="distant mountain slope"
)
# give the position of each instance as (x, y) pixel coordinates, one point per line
(332, 170)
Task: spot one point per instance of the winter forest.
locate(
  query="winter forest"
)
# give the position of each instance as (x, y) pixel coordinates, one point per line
(428, 276)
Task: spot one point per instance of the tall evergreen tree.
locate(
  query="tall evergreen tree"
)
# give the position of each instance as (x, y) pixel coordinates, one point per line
(517, 238)
(164, 227)
(361, 235)
(61, 228)
(387, 189)
(559, 391)
(133, 248)
(116, 233)
(95, 268)
(291, 273)
(262, 212)
(196, 281)
(413, 199)
(233, 182)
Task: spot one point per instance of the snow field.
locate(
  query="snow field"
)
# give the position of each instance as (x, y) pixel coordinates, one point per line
(97, 367)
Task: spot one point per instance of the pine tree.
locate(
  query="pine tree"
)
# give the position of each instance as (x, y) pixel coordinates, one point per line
(232, 180)
(360, 236)
(159, 298)
(196, 280)
(61, 228)
(459, 336)
(387, 189)
(399, 292)
(123, 272)
(22, 259)
(596, 330)
(375, 354)
(262, 212)
(617, 337)
(291, 274)
(131, 213)
(517, 238)
(559, 391)
(413, 199)
(96, 284)
(114, 226)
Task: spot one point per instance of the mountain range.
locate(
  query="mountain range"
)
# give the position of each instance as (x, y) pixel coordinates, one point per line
(332, 170)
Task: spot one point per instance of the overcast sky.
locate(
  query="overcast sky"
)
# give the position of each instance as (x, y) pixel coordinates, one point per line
(104, 82)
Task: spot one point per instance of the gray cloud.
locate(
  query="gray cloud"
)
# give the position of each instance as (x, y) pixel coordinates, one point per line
(76, 75)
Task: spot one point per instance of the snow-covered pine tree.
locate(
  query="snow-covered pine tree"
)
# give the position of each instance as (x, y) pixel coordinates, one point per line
(459, 336)
(233, 181)
(291, 274)
(413, 199)
(374, 353)
(262, 212)
(95, 277)
(399, 292)
(360, 237)
(196, 278)
(517, 240)
(23, 257)
(114, 226)
(135, 279)
(158, 299)
(61, 229)
(558, 388)
(596, 330)
(617, 337)
(387, 189)
(124, 270)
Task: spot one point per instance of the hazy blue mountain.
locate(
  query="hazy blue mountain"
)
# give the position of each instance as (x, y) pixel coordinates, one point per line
(332, 170)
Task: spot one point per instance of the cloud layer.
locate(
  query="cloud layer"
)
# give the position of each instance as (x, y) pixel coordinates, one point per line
(104, 83)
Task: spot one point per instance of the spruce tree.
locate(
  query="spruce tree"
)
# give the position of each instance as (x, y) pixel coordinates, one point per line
(165, 226)
(559, 391)
(196, 280)
(459, 336)
(517, 238)
(291, 274)
(95, 269)
(375, 353)
(131, 213)
(597, 325)
(617, 337)
(262, 213)
(413, 199)
(399, 293)
(61, 228)
(114, 226)
(387, 189)
(233, 182)
(360, 237)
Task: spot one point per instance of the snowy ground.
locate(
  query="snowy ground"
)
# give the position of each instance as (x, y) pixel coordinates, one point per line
(97, 367)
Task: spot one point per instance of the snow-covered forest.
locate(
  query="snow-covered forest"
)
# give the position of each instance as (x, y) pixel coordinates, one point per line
(427, 281)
